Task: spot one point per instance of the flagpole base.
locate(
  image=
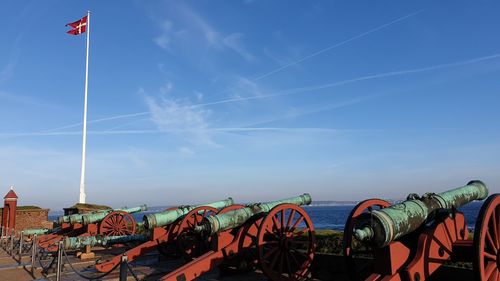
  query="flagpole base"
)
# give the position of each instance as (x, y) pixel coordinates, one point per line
(82, 198)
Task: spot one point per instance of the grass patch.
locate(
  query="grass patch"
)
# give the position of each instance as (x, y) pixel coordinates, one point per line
(328, 241)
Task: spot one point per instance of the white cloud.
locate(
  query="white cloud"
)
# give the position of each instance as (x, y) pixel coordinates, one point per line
(163, 40)
(234, 42)
(186, 152)
(179, 117)
(166, 89)
(199, 24)
(186, 27)
(199, 96)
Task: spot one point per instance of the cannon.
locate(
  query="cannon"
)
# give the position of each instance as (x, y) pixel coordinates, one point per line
(412, 239)
(107, 222)
(278, 236)
(169, 216)
(168, 232)
(75, 243)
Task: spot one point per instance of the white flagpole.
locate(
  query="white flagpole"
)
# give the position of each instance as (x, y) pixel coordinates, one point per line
(84, 142)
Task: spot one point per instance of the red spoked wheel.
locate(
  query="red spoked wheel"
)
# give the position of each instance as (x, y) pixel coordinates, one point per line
(117, 223)
(170, 249)
(192, 244)
(348, 248)
(487, 240)
(286, 243)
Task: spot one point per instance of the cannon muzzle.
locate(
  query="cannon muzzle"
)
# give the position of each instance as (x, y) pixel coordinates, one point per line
(236, 218)
(380, 227)
(167, 217)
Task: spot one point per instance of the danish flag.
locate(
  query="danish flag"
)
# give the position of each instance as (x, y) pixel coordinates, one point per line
(79, 26)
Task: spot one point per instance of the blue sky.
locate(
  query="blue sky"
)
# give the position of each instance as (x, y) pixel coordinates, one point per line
(193, 101)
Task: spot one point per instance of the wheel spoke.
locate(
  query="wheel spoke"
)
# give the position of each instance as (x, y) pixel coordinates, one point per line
(113, 219)
(490, 268)
(290, 219)
(123, 223)
(280, 268)
(108, 223)
(283, 220)
(295, 260)
(272, 233)
(497, 223)
(494, 227)
(301, 218)
(490, 256)
(120, 219)
(300, 232)
(276, 224)
(275, 259)
(265, 243)
(490, 240)
(288, 266)
(270, 253)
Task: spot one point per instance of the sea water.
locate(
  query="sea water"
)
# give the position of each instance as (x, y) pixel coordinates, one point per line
(329, 216)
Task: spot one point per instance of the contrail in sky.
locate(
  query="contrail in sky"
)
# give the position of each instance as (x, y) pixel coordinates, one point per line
(357, 79)
(380, 27)
(99, 120)
(262, 76)
(307, 89)
(130, 132)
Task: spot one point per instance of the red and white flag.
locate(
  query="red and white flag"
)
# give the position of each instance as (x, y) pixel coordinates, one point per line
(79, 26)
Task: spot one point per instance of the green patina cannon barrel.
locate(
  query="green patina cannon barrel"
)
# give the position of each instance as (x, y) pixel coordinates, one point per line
(167, 217)
(74, 243)
(40, 231)
(77, 218)
(380, 227)
(236, 218)
(97, 217)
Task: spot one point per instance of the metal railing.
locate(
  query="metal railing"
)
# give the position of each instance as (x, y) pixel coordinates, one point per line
(17, 246)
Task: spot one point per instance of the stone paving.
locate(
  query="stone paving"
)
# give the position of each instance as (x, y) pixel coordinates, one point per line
(148, 268)
(151, 268)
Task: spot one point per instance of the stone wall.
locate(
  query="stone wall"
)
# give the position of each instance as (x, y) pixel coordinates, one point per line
(31, 218)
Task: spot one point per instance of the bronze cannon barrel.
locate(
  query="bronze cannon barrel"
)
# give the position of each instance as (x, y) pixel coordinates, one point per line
(77, 218)
(40, 231)
(97, 217)
(380, 227)
(74, 243)
(169, 216)
(236, 218)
